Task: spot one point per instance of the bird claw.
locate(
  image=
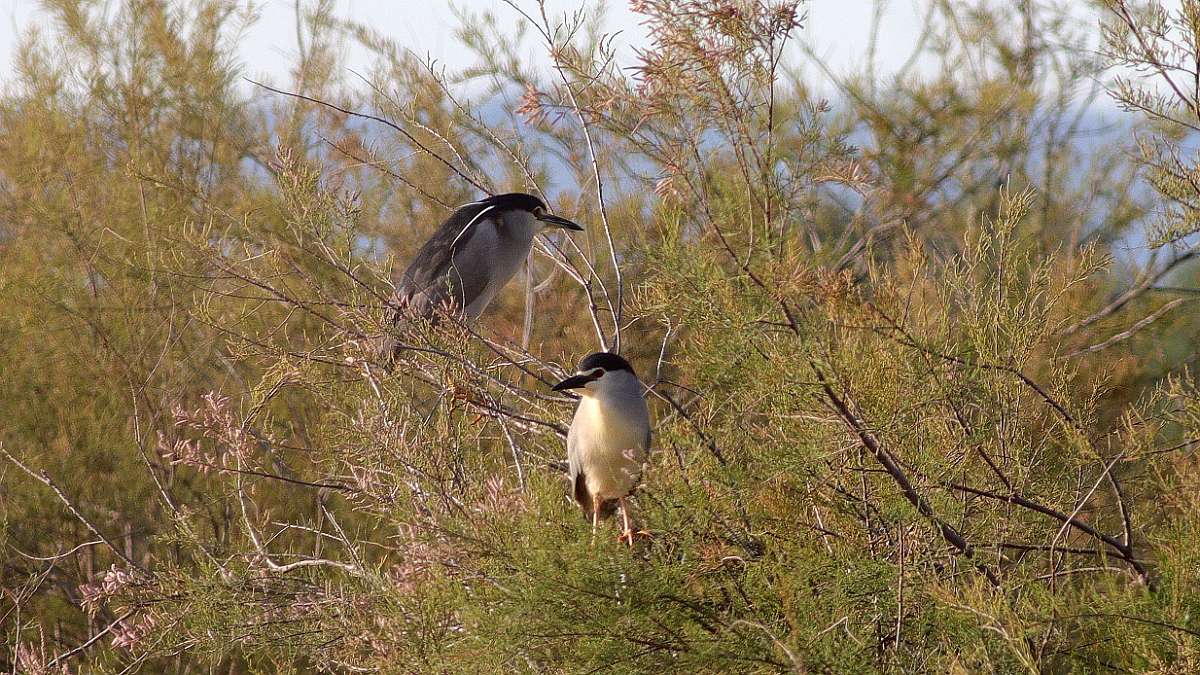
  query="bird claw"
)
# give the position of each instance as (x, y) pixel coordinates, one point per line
(630, 535)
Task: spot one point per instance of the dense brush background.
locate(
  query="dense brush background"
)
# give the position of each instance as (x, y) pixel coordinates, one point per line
(919, 354)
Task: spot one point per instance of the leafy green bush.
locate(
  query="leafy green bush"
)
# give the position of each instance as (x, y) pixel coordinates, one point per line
(916, 407)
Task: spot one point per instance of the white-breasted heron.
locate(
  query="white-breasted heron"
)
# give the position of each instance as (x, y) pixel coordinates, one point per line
(609, 437)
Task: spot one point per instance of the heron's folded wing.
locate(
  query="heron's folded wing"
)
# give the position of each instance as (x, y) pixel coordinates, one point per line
(433, 278)
(575, 473)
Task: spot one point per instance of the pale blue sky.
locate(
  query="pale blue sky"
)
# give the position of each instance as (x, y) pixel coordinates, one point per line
(837, 29)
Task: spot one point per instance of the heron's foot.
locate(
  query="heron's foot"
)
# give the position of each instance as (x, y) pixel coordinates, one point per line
(629, 535)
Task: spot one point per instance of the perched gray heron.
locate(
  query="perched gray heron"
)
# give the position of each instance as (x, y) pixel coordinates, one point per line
(609, 437)
(470, 258)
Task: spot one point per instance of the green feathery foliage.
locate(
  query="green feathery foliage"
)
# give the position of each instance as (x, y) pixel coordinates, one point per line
(916, 406)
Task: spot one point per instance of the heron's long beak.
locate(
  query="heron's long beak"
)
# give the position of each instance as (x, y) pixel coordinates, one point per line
(560, 222)
(573, 382)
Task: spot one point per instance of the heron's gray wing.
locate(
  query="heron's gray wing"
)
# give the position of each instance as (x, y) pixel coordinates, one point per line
(431, 279)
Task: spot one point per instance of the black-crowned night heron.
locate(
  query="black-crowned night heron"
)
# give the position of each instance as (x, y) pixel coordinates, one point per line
(609, 437)
(470, 258)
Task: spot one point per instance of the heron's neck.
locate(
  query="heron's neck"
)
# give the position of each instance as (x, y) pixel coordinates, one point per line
(519, 226)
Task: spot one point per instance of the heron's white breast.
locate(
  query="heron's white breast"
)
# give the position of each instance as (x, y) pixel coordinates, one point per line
(609, 434)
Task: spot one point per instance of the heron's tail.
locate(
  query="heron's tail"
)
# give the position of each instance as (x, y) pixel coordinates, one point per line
(386, 348)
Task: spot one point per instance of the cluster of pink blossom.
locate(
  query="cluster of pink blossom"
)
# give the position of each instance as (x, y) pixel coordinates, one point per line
(531, 107)
(668, 186)
(116, 580)
(499, 498)
(421, 556)
(184, 451)
(213, 422)
(129, 634)
(690, 37)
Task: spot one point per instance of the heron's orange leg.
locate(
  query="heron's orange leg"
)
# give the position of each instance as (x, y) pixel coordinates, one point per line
(627, 532)
(595, 517)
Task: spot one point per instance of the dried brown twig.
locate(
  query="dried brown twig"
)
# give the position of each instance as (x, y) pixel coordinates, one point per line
(547, 32)
(869, 441)
(404, 132)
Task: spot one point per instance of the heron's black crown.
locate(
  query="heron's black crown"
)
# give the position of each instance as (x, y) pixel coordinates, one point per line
(606, 360)
(512, 201)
